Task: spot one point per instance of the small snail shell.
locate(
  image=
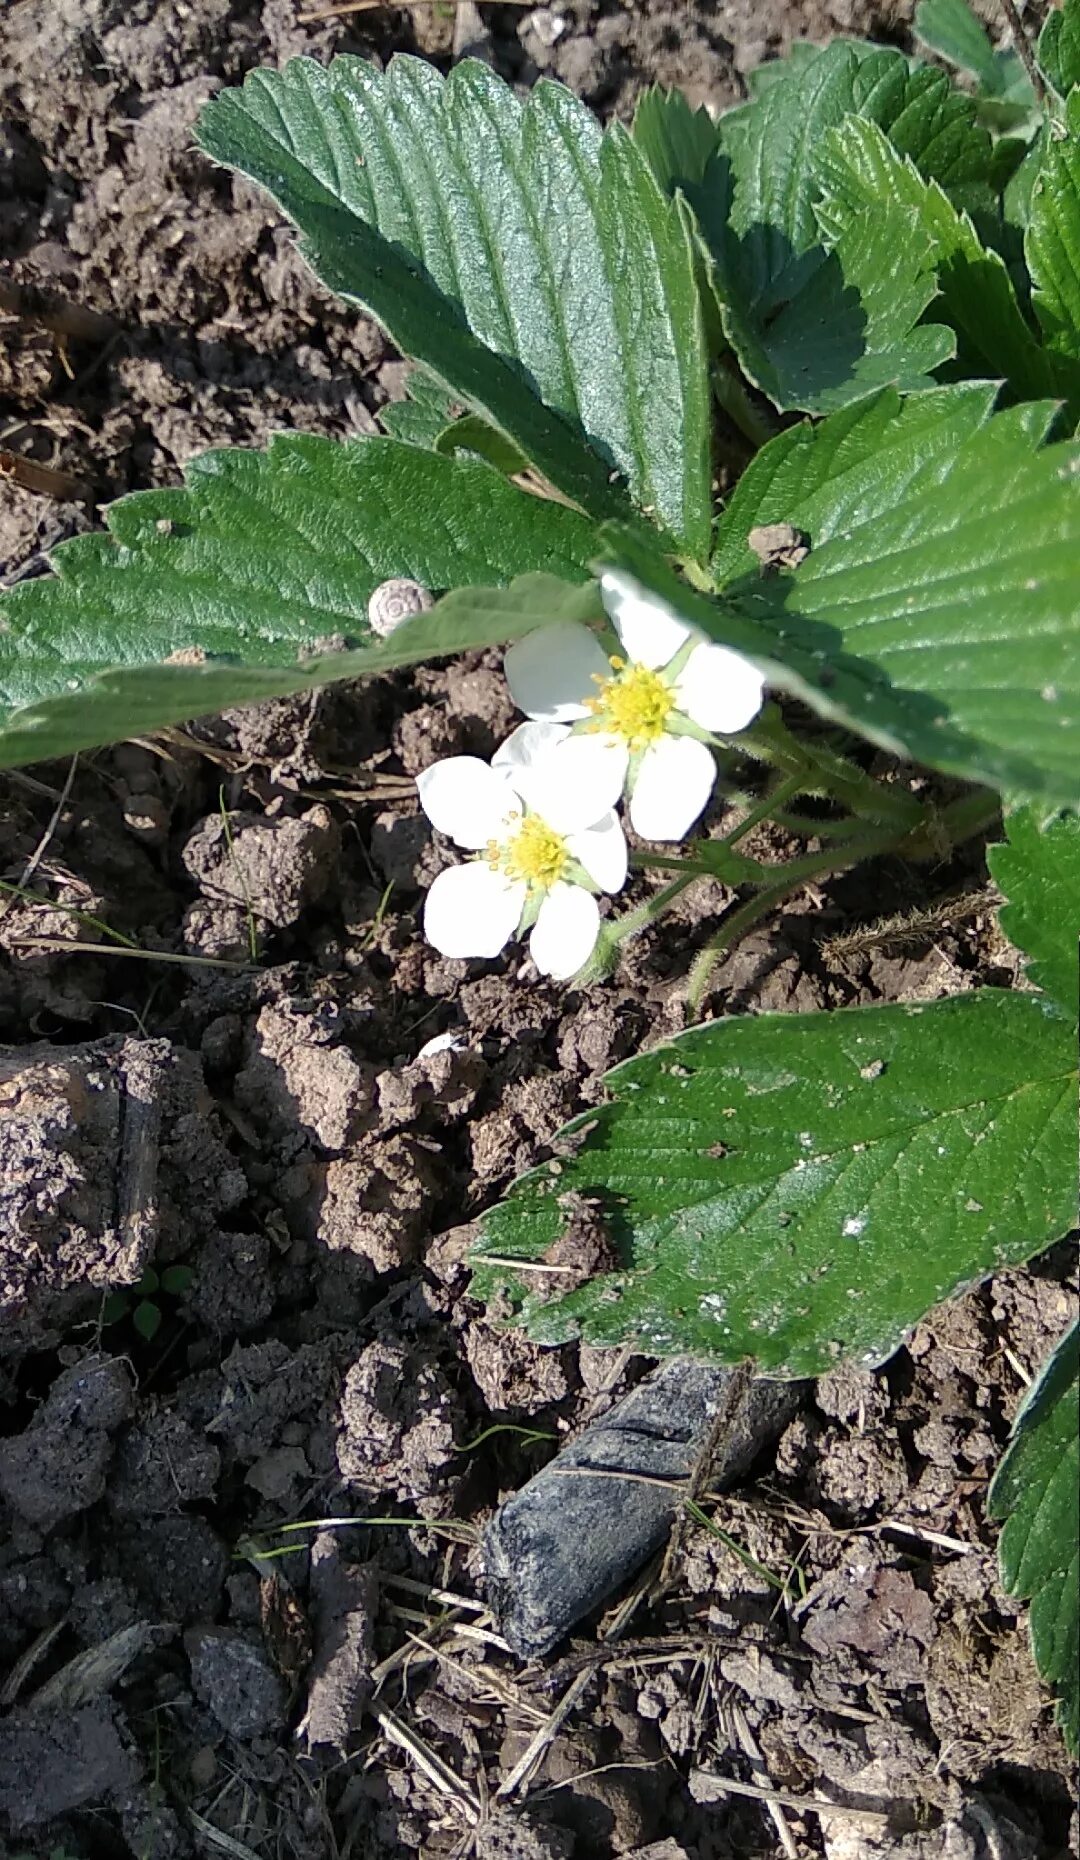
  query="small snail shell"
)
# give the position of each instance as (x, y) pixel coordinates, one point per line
(395, 601)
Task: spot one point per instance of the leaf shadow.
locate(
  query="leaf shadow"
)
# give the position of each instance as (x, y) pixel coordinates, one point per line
(814, 325)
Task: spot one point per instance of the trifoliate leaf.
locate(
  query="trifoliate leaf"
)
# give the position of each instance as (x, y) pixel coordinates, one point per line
(1037, 1491)
(852, 325)
(1059, 47)
(802, 1188)
(1038, 869)
(938, 610)
(1052, 245)
(530, 262)
(863, 176)
(212, 595)
(817, 327)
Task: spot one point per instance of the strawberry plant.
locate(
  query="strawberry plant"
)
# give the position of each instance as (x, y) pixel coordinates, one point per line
(754, 440)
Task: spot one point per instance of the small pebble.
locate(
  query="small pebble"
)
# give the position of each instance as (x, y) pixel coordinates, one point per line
(547, 24)
(442, 1043)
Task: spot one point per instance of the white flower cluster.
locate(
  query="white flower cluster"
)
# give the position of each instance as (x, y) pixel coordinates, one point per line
(541, 815)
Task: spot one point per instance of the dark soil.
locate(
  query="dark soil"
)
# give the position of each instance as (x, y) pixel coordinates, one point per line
(269, 1119)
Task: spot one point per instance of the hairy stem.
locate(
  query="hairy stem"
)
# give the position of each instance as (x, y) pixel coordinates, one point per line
(1023, 47)
(731, 931)
(823, 772)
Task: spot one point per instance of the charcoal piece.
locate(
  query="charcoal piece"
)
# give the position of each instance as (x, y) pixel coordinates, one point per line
(558, 1547)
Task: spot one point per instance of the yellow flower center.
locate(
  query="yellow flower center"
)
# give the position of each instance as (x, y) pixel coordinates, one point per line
(635, 704)
(536, 853)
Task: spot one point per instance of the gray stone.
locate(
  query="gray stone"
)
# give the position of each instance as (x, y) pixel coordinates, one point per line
(558, 1547)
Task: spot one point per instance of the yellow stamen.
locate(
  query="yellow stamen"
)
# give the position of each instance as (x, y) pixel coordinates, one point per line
(536, 854)
(635, 704)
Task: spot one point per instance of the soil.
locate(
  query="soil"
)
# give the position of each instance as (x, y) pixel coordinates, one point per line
(273, 1119)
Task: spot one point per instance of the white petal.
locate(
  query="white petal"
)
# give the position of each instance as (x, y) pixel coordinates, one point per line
(566, 931)
(577, 782)
(650, 630)
(674, 783)
(550, 672)
(526, 745)
(472, 911)
(602, 851)
(466, 798)
(720, 689)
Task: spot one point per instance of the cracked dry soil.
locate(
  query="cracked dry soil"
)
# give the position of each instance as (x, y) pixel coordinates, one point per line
(275, 1127)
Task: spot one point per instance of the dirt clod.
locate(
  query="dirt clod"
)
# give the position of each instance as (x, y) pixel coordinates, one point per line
(344, 1602)
(397, 1426)
(271, 868)
(233, 1677)
(107, 1152)
(54, 1762)
(59, 1465)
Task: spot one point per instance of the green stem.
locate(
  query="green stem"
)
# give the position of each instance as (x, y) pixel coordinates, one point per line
(616, 931)
(765, 809)
(931, 837)
(823, 772)
(715, 860)
(733, 396)
(808, 828)
(968, 815)
(731, 931)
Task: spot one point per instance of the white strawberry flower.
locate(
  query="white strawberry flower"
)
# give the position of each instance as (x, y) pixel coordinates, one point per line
(642, 724)
(547, 846)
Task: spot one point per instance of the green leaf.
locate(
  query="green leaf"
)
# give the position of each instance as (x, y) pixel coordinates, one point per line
(1037, 1491)
(1059, 47)
(677, 141)
(142, 698)
(529, 262)
(426, 411)
(772, 141)
(852, 324)
(1005, 99)
(146, 1318)
(1052, 245)
(815, 327)
(211, 595)
(864, 176)
(472, 434)
(938, 611)
(1038, 869)
(799, 53)
(762, 1177)
(950, 28)
(177, 1279)
(848, 469)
